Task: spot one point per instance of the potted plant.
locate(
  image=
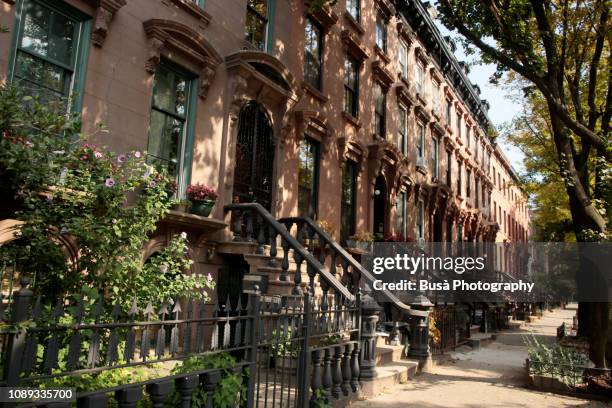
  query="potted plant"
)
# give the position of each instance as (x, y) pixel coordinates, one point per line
(284, 351)
(202, 198)
(362, 241)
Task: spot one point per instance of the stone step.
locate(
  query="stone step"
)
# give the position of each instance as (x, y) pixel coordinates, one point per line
(386, 354)
(389, 375)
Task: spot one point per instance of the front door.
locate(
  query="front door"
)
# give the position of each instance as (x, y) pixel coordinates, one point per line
(254, 157)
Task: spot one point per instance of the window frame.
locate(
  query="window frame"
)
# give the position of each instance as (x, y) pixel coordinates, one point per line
(80, 58)
(420, 145)
(420, 219)
(319, 80)
(402, 57)
(468, 182)
(403, 129)
(357, 4)
(380, 118)
(269, 26)
(402, 198)
(382, 24)
(459, 178)
(353, 201)
(185, 153)
(349, 60)
(314, 192)
(435, 157)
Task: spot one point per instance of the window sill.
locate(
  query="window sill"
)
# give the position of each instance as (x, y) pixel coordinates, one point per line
(354, 23)
(193, 9)
(315, 92)
(187, 220)
(351, 119)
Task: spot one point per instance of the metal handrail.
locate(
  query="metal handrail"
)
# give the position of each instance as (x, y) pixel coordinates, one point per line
(390, 297)
(295, 245)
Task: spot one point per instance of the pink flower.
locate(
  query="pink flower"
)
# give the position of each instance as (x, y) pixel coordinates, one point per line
(152, 183)
(137, 154)
(163, 268)
(98, 155)
(121, 158)
(209, 277)
(109, 182)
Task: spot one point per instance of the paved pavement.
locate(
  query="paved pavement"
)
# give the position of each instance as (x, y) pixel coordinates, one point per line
(491, 377)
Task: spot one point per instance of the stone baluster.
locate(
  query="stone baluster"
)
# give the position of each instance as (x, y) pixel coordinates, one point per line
(327, 372)
(317, 371)
(355, 368)
(346, 369)
(337, 371)
(128, 397)
(158, 392)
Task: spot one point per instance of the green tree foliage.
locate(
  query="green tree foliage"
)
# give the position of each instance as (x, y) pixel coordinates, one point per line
(86, 212)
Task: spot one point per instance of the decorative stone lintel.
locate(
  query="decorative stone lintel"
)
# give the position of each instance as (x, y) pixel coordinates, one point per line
(105, 10)
(195, 10)
(405, 94)
(354, 23)
(437, 128)
(353, 46)
(422, 113)
(382, 74)
(162, 35)
(325, 15)
(350, 148)
(405, 32)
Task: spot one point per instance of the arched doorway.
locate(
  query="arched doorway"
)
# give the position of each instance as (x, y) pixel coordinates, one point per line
(254, 157)
(380, 207)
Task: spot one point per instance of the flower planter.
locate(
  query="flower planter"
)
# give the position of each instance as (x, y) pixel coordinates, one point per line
(202, 208)
(363, 246)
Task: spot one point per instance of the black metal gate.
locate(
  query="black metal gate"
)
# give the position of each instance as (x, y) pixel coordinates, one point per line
(254, 157)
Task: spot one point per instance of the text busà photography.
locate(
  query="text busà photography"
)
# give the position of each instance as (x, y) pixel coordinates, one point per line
(305, 203)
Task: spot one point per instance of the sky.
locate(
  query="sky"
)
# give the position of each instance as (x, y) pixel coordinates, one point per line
(503, 108)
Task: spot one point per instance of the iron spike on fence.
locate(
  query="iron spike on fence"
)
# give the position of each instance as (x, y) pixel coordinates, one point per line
(188, 330)
(112, 353)
(145, 345)
(74, 347)
(226, 326)
(174, 333)
(130, 338)
(160, 344)
(51, 353)
(93, 356)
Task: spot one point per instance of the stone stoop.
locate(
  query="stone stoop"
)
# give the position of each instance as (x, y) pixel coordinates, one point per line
(481, 340)
(389, 375)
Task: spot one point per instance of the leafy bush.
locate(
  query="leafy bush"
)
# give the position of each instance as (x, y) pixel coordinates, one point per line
(564, 363)
(72, 194)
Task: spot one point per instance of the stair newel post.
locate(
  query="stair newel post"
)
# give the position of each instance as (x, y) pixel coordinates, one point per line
(327, 372)
(419, 341)
(346, 369)
(370, 312)
(337, 371)
(261, 234)
(273, 252)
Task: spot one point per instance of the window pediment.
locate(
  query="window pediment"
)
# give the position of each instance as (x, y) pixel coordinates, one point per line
(314, 123)
(105, 10)
(382, 74)
(166, 35)
(406, 94)
(353, 46)
(324, 15)
(350, 148)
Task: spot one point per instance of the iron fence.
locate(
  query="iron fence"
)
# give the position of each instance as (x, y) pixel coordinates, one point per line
(553, 376)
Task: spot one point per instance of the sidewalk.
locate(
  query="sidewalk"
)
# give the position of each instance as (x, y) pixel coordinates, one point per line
(492, 376)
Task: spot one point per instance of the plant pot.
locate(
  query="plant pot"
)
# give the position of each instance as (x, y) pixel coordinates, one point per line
(202, 208)
(286, 364)
(351, 243)
(364, 246)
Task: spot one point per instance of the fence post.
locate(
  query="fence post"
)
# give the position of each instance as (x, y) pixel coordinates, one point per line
(254, 305)
(16, 343)
(303, 382)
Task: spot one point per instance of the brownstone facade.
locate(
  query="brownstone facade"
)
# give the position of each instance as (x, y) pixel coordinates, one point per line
(408, 130)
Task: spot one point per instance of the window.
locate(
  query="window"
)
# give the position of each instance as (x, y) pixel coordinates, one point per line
(494, 212)
(420, 220)
(421, 141)
(468, 136)
(402, 129)
(50, 52)
(313, 54)
(380, 108)
(449, 111)
(419, 77)
(381, 32)
(435, 96)
(449, 168)
(476, 193)
(401, 214)
(402, 56)
(169, 123)
(348, 198)
(434, 157)
(458, 125)
(459, 176)
(256, 28)
(308, 174)
(468, 183)
(351, 86)
(354, 9)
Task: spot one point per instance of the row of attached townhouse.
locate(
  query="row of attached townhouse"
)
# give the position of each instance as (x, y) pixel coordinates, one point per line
(357, 114)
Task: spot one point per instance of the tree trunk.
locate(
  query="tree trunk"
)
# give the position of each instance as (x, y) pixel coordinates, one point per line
(592, 316)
